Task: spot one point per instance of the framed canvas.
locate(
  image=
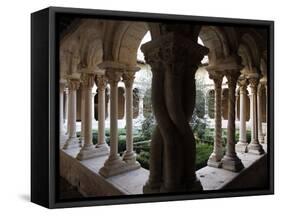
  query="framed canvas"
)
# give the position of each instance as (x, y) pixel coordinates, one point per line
(138, 107)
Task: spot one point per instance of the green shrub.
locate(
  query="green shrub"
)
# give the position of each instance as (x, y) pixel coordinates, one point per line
(203, 152)
(143, 159)
(148, 126)
(198, 126)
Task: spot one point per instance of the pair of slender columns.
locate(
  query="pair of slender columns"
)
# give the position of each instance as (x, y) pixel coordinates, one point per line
(254, 146)
(114, 164)
(129, 155)
(89, 150)
(72, 141)
(230, 161)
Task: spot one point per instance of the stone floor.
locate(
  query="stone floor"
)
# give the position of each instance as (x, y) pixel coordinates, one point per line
(133, 181)
(213, 178)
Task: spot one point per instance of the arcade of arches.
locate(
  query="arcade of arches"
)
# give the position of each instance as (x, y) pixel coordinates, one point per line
(101, 77)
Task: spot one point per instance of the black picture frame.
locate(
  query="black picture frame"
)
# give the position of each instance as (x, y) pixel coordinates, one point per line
(45, 106)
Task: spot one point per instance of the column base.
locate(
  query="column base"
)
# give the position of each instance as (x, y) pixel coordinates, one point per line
(92, 152)
(241, 147)
(214, 161)
(255, 148)
(71, 142)
(151, 187)
(115, 165)
(232, 163)
(129, 157)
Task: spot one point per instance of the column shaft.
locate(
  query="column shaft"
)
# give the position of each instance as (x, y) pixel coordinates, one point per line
(114, 164)
(101, 147)
(129, 155)
(101, 115)
(62, 131)
(254, 146)
(216, 156)
(72, 141)
(83, 96)
(241, 146)
(87, 150)
(230, 161)
(259, 102)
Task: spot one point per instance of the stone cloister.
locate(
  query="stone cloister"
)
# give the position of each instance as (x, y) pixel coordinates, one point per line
(102, 54)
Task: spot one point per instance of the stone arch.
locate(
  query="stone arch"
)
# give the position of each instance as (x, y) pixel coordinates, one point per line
(263, 64)
(69, 56)
(127, 40)
(91, 45)
(215, 39)
(249, 49)
(225, 103)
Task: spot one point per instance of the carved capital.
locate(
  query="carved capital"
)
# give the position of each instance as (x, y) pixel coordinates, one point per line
(173, 49)
(88, 80)
(73, 84)
(217, 78)
(101, 82)
(128, 79)
(243, 83)
(113, 76)
(232, 77)
(253, 80)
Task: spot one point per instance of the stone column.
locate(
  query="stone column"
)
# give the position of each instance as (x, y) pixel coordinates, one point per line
(72, 141)
(129, 155)
(114, 164)
(66, 110)
(254, 146)
(101, 147)
(241, 146)
(87, 150)
(216, 156)
(266, 114)
(230, 161)
(259, 108)
(83, 90)
(62, 86)
(174, 58)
